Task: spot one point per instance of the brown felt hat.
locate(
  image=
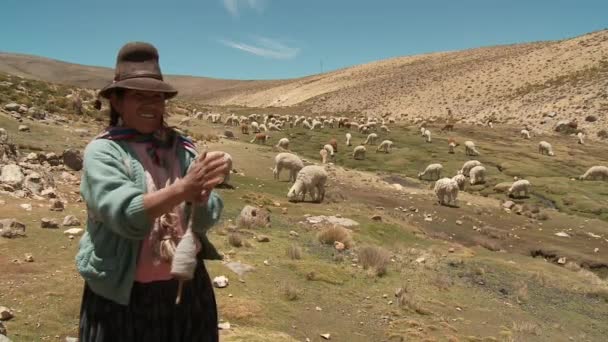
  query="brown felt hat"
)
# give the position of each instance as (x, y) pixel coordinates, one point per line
(137, 68)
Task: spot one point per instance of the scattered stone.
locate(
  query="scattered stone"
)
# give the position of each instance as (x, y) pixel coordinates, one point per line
(5, 313)
(239, 268)
(220, 281)
(12, 175)
(596, 250)
(48, 223)
(561, 261)
(48, 193)
(57, 205)
(72, 159)
(12, 107)
(71, 339)
(318, 308)
(10, 228)
(34, 183)
(251, 217)
(71, 221)
(224, 326)
(508, 204)
(458, 222)
(345, 222)
(591, 118)
(68, 177)
(26, 206)
(266, 262)
(377, 218)
(28, 257)
(73, 232)
(595, 236)
(421, 259)
(326, 336)
(428, 218)
(562, 234)
(23, 128)
(451, 250)
(3, 331)
(339, 246)
(263, 238)
(294, 233)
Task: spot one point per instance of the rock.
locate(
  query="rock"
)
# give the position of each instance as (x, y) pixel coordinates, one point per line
(3, 331)
(3, 136)
(72, 159)
(266, 263)
(34, 183)
(26, 206)
(36, 113)
(421, 259)
(451, 250)
(71, 339)
(12, 175)
(10, 228)
(508, 204)
(70, 221)
(28, 257)
(56, 205)
(23, 128)
(251, 217)
(5, 313)
(562, 234)
(561, 261)
(345, 222)
(73, 231)
(220, 281)
(591, 118)
(339, 246)
(294, 233)
(377, 218)
(68, 177)
(318, 308)
(239, 268)
(229, 134)
(458, 222)
(48, 193)
(326, 336)
(12, 107)
(263, 238)
(53, 159)
(428, 218)
(48, 223)
(224, 326)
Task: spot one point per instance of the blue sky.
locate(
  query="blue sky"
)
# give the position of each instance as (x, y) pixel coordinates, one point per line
(272, 39)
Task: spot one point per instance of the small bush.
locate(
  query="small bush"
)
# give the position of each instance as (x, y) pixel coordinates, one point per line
(486, 243)
(375, 259)
(527, 327)
(602, 134)
(408, 301)
(332, 234)
(290, 292)
(235, 240)
(521, 292)
(294, 252)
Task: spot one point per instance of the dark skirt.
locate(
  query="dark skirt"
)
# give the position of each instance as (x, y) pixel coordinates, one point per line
(152, 314)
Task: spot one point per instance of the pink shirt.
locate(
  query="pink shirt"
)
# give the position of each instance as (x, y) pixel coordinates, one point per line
(156, 177)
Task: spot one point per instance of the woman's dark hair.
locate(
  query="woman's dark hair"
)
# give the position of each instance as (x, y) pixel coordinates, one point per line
(114, 114)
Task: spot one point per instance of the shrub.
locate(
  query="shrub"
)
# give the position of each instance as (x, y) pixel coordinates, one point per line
(294, 252)
(235, 240)
(332, 234)
(375, 259)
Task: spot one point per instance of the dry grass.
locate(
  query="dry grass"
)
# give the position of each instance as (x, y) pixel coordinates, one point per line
(374, 258)
(239, 309)
(408, 301)
(487, 243)
(294, 252)
(521, 292)
(528, 328)
(290, 292)
(235, 240)
(329, 235)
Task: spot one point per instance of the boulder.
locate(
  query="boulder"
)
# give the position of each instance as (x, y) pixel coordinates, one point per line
(47, 223)
(5, 313)
(71, 221)
(3, 136)
(34, 183)
(72, 159)
(23, 128)
(12, 175)
(73, 231)
(502, 187)
(12, 107)
(56, 205)
(10, 228)
(220, 281)
(251, 217)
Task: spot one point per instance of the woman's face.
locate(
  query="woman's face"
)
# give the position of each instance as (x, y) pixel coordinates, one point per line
(141, 110)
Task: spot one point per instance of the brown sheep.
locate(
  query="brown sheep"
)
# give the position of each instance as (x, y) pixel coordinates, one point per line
(244, 128)
(260, 137)
(334, 143)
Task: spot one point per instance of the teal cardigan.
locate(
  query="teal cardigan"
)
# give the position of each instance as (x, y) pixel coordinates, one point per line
(113, 186)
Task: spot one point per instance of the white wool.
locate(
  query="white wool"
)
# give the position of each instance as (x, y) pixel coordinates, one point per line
(371, 139)
(519, 186)
(385, 146)
(467, 166)
(283, 143)
(545, 148)
(446, 188)
(330, 149)
(287, 161)
(460, 180)
(525, 134)
(595, 172)
(311, 179)
(359, 152)
(469, 148)
(348, 137)
(427, 135)
(478, 174)
(433, 172)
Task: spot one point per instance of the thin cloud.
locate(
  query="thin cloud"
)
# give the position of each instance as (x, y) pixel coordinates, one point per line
(232, 6)
(264, 47)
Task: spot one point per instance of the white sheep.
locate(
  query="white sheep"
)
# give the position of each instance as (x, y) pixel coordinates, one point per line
(525, 134)
(323, 153)
(385, 146)
(460, 180)
(263, 128)
(595, 172)
(306, 124)
(469, 148)
(283, 143)
(422, 130)
(274, 127)
(580, 137)
(316, 125)
(371, 139)
(427, 135)
(518, 186)
(255, 127)
(478, 175)
(330, 150)
(287, 161)
(432, 171)
(446, 188)
(545, 148)
(359, 152)
(467, 166)
(385, 129)
(311, 179)
(451, 146)
(348, 137)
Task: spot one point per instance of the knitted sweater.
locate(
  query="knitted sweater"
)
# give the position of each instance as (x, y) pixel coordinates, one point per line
(113, 186)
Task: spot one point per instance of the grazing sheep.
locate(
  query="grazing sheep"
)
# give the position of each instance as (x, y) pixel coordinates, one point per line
(422, 130)
(316, 125)
(385, 129)
(385, 146)
(446, 188)
(263, 128)
(467, 166)
(427, 135)
(545, 148)
(283, 143)
(306, 124)
(260, 137)
(448, 127)
(478, 175)
(311, 179)
(517, 187)
(323, 153)
(469, 148)
(255, 127)
(371, 139)
(348, 137)
(359, 152)
(244, 128)
(330, 150)
(461, 180)
(580, 137)
(452, 144)
(525, 134)
(287, 161)
(595, 172)
(274, 127)
(433, 172)
(334, 143)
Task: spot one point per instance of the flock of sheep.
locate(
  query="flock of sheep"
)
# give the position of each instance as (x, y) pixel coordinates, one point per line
(311, 179)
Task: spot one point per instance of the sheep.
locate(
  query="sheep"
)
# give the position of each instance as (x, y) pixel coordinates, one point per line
(255, 127)
(334, 143)
(595, 172)
(263, 128)
(260, 137)
(287, 161)
(385, 129)
(323, 153)
(354, 126)
(478, 175)
(446, 187)
(316, 125)
(461, 180)
(545, 148)
(580, 137)
(274, 127)
(422, 130)
(517, 187)
(452, 144)
(432, 171)
(467, 166)
(283, 143)
(525, 134)
(244, 128)
(330, 150)
(448, 127)
(348, 137)
(371, 139)
(385, 146)
(306, 124)
(359, 152)
(311, 179)
(427, 135)
(469, 148)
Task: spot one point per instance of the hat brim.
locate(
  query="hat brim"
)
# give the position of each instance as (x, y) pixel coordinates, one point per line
(140, 83)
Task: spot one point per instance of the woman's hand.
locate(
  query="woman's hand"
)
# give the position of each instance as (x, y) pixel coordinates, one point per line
(207, 171)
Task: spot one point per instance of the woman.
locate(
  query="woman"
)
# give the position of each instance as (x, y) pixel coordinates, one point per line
(142, 183)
